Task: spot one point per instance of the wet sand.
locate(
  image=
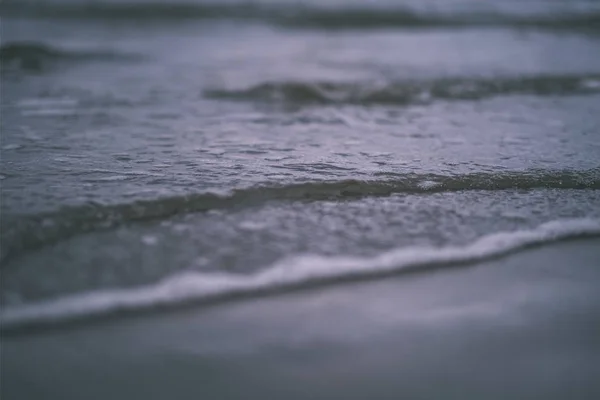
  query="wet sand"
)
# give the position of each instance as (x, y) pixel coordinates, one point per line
(522, 326)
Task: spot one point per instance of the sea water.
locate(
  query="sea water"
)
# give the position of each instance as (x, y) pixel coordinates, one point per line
(159, 153)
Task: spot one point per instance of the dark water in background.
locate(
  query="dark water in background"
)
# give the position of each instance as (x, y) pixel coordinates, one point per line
(156, 152)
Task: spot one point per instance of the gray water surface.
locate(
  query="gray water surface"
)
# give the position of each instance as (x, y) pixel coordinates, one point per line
(144, 140)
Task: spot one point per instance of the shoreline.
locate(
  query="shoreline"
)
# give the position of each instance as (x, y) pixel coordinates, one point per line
(296, 273)
(523, 326)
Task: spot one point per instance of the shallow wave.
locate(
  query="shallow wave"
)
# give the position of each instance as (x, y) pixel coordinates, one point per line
(37, 56)
(291, 273)
(140, 11)
(296, 15)
(385, 19)
(24, 233)
(408, 92)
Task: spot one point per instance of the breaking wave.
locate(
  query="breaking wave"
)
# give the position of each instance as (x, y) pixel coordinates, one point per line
(20, 234)
(297, 15)
(287, 274)
(408, 92)
(36, 56)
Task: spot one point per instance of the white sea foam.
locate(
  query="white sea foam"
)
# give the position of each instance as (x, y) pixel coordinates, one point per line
(591, 84)
(425, 185)
(288, 273)
(53, 102)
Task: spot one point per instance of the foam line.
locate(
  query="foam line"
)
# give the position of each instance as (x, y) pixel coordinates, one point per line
(288, 273)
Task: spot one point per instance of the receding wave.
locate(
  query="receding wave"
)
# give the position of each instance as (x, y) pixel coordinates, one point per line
(36, 56)
(21, 234)
(295, 15)
(408, 92)
(291, 273)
